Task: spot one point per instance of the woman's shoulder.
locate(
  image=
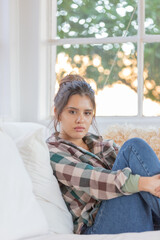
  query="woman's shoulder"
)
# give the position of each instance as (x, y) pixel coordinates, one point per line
(59, 146)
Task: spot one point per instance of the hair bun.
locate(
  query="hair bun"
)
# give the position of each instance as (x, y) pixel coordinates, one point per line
(71, 78)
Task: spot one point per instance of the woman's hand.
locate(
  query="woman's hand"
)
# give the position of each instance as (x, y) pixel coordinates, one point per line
(150, 184)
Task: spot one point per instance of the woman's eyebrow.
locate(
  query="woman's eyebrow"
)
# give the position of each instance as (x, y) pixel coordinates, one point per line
(72, 108)
(91, 110)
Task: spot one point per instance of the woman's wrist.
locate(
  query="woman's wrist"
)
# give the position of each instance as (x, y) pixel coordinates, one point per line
(143, 183)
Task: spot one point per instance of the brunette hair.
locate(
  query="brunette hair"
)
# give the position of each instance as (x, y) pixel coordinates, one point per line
(70, 85)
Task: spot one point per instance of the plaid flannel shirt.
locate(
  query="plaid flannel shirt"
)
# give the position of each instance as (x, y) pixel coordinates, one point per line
(85, 178)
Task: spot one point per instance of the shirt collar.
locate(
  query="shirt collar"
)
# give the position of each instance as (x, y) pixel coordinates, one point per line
(93, 141)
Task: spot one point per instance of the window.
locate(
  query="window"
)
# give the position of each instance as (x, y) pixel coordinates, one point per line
(115, 46)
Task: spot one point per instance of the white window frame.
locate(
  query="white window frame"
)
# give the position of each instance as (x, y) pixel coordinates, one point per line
(139, 39)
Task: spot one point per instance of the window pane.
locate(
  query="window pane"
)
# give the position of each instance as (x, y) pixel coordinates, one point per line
(90, 18)
(152, 9)
(111, 69)
(151, 103)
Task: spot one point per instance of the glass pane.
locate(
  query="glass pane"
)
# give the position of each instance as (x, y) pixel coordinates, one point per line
(152, 20)
(151, 103)
(90, 18)
(111, 69)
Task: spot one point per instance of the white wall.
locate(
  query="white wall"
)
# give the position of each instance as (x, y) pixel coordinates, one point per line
(29, 44)
(23, 80)
(33, 70)
(4, 59)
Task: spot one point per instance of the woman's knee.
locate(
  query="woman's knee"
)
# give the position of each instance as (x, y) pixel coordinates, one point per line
(141, 157)
(137, 143)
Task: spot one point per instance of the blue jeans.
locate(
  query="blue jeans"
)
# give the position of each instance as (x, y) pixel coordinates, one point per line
(133, 213)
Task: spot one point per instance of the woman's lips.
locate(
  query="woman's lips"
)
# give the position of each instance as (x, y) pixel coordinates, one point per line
(79, 129)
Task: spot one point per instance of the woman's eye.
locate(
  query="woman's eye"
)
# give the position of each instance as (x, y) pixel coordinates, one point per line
(87, 113)
(72, 112)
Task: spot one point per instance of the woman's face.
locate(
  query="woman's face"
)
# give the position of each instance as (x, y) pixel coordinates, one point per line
(76, 118)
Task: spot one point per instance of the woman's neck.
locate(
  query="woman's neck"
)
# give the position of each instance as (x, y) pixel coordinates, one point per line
(83, 145)
(77, 142)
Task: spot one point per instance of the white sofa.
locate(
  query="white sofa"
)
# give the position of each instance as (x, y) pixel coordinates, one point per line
(31, 203)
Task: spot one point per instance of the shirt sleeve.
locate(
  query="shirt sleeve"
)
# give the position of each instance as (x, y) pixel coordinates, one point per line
(131, 185)
(97, 182)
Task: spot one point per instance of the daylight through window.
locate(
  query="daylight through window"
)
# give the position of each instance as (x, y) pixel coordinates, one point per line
(115, 46)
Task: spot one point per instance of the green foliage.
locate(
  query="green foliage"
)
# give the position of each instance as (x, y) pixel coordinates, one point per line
(88, 18)
(102, 18)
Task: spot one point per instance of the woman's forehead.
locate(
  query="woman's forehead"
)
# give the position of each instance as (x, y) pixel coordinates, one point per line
(78, 101)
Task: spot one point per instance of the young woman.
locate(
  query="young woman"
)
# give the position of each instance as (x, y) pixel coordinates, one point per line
(107, 190)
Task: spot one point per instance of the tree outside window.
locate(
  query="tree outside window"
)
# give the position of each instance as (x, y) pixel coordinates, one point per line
(111, 68)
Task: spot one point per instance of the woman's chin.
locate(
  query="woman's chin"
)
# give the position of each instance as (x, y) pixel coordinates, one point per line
(79, 134)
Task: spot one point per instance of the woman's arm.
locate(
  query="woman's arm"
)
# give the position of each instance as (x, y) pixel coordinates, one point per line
(97, 182)
(150, 184)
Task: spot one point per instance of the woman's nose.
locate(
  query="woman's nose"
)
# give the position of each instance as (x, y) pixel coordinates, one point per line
(80, 118)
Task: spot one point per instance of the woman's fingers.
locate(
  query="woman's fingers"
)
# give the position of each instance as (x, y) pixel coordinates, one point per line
(157, 189)
(157, 194)
(157, 176)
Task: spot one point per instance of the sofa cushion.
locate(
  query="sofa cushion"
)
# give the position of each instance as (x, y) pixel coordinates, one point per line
(30, 139)
(20, 214)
